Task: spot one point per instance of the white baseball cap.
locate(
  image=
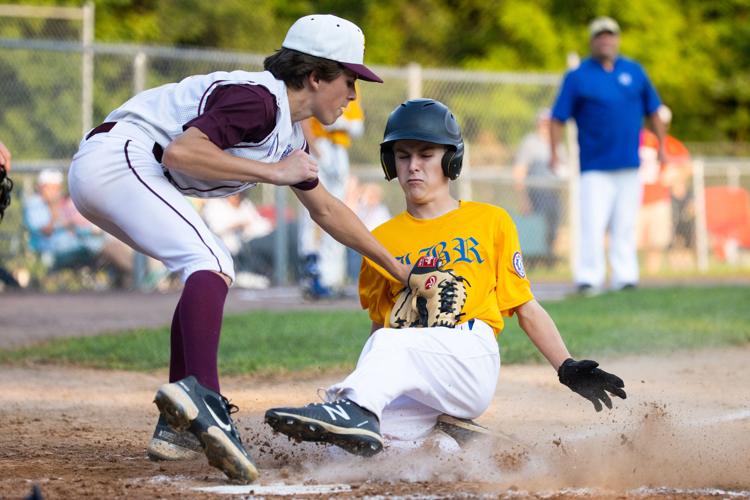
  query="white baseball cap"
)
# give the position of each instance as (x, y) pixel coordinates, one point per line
(602, 24)
(331, 37)
(50, 176)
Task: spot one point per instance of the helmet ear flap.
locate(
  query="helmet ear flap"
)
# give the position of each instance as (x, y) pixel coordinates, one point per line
(452, 161)
(388, 161)
(447, 161)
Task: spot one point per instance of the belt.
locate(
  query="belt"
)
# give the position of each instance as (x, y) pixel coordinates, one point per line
(105, 127)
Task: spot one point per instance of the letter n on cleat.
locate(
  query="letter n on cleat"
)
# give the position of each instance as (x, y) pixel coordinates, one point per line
(337, 410)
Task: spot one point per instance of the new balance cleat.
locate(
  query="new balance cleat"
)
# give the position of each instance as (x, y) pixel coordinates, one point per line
(188, 406)
(465, 431)
(169, 444)
(342, 422)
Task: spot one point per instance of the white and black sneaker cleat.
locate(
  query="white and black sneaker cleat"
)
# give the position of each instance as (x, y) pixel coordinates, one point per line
(188, 406)
(169, 444)
(342, 422)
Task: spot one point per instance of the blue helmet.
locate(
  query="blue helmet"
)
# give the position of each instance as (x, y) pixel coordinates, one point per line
(423, 120)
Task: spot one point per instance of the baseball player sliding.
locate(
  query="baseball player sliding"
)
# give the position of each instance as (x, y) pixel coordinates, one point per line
(433, 351)
(209, 136)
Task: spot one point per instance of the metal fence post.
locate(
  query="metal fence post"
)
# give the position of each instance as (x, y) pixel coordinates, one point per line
(414, 80)
(465, 191)
(281, 239)
(140, 261)
(87, 68)
(701, 234)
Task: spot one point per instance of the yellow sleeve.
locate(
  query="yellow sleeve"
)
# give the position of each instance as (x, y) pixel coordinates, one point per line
(316, 128)
(376, 291)
(353, 111)
(513, 287)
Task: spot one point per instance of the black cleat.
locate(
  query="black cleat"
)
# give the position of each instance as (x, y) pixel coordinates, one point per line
(188, 406)
(342, 422)
(169, 444)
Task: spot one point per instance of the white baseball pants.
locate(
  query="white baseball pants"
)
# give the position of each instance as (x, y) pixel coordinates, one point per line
(408, 377)
(608, 199)
(117, 184)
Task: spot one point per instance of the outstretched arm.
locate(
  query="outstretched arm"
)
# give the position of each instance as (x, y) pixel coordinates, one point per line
(556, 130)
(582, 377)
(339, 221)
(542, 331)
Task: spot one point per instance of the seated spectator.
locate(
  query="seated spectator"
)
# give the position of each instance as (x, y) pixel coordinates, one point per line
(63, 237)
(249, 237)
(534, 180)
(365, 200)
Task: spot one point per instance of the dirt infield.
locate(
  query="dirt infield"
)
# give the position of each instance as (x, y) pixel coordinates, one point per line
(683, 432)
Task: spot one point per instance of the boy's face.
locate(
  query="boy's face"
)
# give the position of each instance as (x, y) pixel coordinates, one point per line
(332, 97)
(420, 171)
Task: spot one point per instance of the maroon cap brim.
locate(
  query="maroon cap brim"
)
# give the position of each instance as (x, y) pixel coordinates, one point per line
(362, 72)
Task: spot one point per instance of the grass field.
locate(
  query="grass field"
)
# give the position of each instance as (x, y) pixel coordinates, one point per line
(644, 320)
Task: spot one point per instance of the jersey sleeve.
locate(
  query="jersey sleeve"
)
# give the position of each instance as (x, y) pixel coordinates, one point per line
(375, 292)
(237, 113)
(513, 287)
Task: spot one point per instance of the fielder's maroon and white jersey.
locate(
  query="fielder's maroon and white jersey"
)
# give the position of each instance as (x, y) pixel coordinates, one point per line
(163, 113)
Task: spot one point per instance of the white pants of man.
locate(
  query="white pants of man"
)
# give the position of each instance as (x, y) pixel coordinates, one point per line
(116, 183)
(608, 199)
(333, 164)
(408, 377)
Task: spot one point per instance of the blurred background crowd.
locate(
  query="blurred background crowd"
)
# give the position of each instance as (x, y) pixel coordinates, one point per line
(63, 64)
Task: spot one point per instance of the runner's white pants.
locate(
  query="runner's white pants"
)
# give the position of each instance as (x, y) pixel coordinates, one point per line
(117, 184)
(608, 200)
(408, 377)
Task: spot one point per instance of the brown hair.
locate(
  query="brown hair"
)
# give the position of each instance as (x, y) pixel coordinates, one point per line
(294, 67)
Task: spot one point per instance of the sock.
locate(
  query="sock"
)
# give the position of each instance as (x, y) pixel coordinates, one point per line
(200, 313)
(177, 352)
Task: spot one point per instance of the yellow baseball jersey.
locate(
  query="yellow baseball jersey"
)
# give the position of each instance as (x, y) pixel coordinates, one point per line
(352, 112)
(477, 240)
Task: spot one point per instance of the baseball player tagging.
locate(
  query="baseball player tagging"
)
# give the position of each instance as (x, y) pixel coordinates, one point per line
(207, 136)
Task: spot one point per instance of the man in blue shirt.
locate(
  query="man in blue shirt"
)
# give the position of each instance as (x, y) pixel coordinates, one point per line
(608, 96)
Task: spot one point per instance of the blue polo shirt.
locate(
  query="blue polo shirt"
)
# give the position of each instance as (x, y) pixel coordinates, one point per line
(608, 107)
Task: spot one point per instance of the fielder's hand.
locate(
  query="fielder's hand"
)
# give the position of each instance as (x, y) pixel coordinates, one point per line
(584, 378)
(295, 168)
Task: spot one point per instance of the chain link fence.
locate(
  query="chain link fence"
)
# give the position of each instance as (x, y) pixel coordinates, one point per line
(55, 83)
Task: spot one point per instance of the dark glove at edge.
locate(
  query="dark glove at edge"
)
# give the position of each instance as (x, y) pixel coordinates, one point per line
(586, 379)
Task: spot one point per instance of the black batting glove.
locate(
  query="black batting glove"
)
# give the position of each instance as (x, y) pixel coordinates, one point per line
(583, 377)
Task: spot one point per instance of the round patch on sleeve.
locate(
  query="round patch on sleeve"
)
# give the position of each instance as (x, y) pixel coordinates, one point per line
(518, 265)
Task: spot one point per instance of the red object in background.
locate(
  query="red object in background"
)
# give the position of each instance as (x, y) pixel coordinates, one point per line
(269, 212)
(727, 217)
(676, 153)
